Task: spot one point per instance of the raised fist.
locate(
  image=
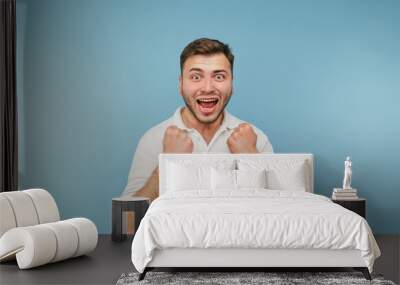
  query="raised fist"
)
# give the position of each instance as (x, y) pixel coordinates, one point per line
(177, 141)
(243, 139)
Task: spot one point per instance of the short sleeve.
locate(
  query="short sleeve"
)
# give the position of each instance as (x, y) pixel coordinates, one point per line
(263, 144)
(144, 161)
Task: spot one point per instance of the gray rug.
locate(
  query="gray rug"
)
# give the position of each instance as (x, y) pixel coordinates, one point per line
(228, 278)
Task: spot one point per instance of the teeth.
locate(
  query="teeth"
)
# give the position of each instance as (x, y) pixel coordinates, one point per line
(208, 100)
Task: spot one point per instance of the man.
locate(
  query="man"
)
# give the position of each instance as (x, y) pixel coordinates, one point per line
(203, 125)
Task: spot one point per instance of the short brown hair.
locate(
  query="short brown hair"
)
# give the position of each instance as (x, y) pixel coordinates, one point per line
(206, 46)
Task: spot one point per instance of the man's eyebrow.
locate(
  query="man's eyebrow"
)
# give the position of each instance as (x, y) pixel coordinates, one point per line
(195, 69)
(201, 70)
(220, 70)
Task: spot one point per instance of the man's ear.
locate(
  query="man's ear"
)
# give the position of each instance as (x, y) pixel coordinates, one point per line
(180, 84)
(233, 88)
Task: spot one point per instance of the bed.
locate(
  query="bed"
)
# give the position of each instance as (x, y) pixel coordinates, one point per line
(247, 210)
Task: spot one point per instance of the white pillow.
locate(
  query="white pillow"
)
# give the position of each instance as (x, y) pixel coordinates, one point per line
(251, 178)
(223, 179)
(184, 177)
(282, 174)
(236, 179)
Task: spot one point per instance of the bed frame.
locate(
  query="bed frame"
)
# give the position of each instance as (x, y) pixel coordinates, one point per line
(243, 259)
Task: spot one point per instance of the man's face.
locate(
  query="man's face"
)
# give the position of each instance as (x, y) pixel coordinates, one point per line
(206, 85)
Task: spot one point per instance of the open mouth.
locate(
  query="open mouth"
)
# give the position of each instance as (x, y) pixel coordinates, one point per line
(207, 105)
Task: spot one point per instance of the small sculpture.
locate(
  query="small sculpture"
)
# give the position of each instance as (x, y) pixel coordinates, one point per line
(347, 174)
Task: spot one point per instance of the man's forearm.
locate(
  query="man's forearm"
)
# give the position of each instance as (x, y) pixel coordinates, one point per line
(150, 189)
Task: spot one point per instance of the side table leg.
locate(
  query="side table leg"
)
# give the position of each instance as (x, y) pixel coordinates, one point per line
(140, 211)
(116, 221)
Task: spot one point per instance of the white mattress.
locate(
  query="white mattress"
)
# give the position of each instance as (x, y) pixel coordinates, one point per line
(252, 218)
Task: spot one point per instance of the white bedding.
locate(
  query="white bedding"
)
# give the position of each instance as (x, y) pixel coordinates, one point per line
(251, 218)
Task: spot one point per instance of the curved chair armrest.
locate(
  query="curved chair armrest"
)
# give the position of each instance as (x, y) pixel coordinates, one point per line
(40, 244)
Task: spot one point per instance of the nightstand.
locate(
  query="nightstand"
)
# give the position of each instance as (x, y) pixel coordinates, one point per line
(138, 205)
(357, 205)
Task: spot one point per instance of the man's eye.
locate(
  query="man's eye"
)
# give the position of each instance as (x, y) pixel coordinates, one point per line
(195, 77)
(219, 77)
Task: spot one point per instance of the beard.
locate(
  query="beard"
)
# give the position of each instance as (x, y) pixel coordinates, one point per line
(211, 120)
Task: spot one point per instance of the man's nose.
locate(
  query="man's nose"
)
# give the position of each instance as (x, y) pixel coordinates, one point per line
(208, 85)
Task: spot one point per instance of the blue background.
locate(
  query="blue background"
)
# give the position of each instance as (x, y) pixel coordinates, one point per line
(316, 76)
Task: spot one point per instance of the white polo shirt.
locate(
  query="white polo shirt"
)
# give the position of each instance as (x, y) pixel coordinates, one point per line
(150, 146)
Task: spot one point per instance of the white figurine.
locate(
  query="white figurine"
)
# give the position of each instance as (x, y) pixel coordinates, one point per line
(347, 174)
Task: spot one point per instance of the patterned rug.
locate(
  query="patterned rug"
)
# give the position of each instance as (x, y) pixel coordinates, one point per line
(229, 278)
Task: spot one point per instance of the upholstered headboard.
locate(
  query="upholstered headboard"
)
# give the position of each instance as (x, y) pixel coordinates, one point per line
(239, 161)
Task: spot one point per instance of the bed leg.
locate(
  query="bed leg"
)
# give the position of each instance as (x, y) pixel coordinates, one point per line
(143, 274)
(364, 271)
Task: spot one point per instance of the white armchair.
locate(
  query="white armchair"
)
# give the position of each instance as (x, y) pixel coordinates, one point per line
(31, 230)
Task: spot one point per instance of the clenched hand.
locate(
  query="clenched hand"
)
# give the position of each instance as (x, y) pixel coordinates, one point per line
(243, 139)
(177, 141)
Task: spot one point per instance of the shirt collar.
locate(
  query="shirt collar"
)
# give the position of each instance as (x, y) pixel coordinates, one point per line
(229, 121)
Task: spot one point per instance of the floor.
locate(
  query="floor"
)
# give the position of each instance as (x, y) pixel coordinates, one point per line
(389, 262)
(111, 259)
